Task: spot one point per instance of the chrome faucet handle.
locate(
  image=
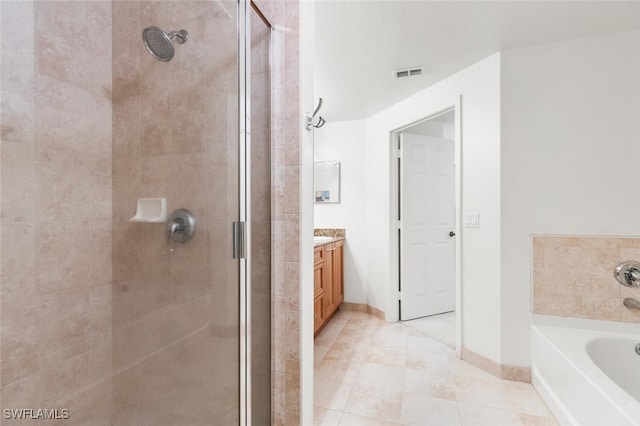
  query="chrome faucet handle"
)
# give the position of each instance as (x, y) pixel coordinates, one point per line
(628, 273)
(631, 303)
(181, 226)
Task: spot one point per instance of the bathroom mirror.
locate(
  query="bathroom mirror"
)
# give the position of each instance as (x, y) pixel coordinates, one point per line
(326, 181)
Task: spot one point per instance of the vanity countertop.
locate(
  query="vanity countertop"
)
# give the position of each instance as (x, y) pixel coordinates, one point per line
(328, 241)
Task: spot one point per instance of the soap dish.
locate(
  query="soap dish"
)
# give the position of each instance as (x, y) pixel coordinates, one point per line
(151, 210)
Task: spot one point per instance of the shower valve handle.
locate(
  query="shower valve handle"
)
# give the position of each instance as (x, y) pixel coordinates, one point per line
(628, 273)
(180, 226)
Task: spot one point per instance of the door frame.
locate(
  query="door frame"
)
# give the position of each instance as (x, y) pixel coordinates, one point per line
(393, 311)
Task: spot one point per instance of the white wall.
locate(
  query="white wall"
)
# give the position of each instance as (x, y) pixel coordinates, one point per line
(307, 103)
(550, 145)
(479, 86)
(344, 141)
(570, 149)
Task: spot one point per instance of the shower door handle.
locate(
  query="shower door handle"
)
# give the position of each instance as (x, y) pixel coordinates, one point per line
(239, 240)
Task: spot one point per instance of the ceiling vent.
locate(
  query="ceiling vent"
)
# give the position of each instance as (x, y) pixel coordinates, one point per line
(408, 72)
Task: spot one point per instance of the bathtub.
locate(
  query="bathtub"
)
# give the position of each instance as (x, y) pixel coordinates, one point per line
(587, 371)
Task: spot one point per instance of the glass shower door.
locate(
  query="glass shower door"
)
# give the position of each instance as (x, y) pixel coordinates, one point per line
(176, 346)
(109, 320)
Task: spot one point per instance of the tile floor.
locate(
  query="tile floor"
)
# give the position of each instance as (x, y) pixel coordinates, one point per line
(441, 327)
(369, 372)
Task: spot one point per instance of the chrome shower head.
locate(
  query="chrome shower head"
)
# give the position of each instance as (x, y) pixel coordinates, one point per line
(159, 44)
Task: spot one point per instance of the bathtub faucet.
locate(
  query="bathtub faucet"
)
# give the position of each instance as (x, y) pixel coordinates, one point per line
(628, 273)
(631, 303)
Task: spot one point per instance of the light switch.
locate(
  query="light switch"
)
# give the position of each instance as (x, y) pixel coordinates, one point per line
(472, 220)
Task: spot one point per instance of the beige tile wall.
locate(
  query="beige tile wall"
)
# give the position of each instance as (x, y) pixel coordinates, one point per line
(261, 186)
(284, 16)
(89, 124)
(573, 277)
(175, 136)
(55, 131)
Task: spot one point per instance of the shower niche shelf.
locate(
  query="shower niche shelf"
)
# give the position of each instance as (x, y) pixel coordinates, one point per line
(151, 210)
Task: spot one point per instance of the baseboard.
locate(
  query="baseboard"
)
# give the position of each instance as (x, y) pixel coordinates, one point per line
(506, 372)
(363, 307)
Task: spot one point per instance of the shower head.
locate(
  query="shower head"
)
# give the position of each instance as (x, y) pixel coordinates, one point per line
(159, 44)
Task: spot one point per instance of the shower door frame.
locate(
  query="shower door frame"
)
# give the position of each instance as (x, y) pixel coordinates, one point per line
(244, 118)
(244, 320)
(244, 64)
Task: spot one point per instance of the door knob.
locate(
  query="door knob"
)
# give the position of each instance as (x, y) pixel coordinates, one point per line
(452, 234)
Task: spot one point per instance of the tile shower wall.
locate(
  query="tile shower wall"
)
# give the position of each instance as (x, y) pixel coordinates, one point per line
(285, 167)
(260, 83)
(573, 277)
(84, 131)
(175, 136)
(56, 267)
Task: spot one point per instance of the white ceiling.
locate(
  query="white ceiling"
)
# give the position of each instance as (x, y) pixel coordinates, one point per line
(359, 43)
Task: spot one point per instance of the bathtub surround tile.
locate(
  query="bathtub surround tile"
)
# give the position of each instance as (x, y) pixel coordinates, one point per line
(589, 290)
(377, 388)
(629, 315)
(633, 243)
(607, 309)
(596, 271)
(563, 241)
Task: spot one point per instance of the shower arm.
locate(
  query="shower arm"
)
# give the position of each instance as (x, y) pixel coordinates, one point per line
(182, 35)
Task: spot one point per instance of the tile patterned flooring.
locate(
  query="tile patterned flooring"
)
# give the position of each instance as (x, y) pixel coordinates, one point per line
(441, 327)
(369, 372)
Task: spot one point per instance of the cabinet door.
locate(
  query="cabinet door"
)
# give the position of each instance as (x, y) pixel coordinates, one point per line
(318, 314)
(338, 273)
(318, 255)
(329, 302)
(318, 279)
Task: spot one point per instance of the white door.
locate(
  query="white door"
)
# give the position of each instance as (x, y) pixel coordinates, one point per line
(427, 217)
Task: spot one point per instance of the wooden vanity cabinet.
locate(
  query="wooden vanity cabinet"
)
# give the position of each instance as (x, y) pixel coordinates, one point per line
(328, 282)
(338, 273)
(318, 296)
